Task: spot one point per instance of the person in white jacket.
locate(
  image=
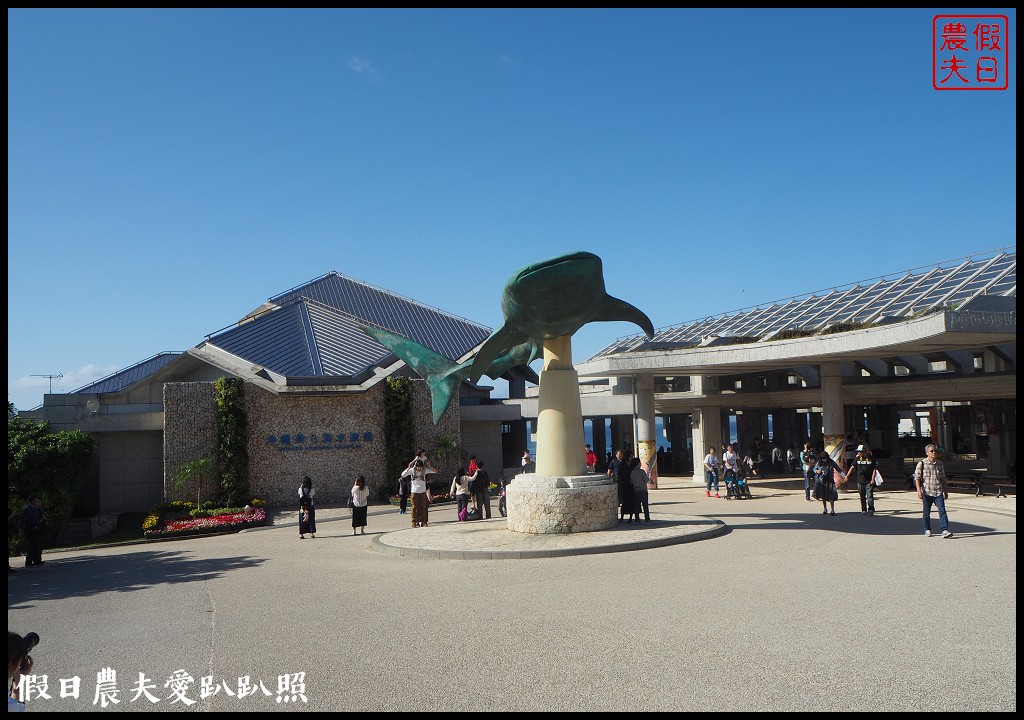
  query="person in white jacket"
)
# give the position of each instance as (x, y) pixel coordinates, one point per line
(417, 474)
(360, 499)
(460, 489)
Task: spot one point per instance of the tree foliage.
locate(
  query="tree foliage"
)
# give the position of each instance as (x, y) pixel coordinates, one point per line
(447, 454)
(48, 464)
(232, 441)
(398, 429)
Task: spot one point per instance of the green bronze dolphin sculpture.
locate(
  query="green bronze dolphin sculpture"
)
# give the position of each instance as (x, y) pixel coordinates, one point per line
(444, 376)
(554, 298)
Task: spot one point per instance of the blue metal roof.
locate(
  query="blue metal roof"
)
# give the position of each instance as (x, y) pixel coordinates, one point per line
(314, 330)
(303, 339)
(129, 376)
(921, 290)
(443, 333)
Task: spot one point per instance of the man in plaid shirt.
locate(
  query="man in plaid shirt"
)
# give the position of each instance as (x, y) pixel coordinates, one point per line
(930, 477)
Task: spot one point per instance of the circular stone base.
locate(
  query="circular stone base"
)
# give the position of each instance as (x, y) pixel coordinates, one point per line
(542, 505)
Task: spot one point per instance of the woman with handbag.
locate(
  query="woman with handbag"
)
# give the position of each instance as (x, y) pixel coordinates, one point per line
(825, 482)
(461, 490)
(360, 499)
(307, 513)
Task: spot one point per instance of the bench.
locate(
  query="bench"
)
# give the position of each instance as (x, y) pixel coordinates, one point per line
(965, 481)
(999, 483)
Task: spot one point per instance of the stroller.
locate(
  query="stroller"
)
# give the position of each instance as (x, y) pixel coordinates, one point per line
(736, 484)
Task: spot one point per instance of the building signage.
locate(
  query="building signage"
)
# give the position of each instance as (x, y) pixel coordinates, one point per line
(295, 442)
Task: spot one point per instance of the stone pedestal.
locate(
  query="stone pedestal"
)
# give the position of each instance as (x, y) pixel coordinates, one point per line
(549, 505)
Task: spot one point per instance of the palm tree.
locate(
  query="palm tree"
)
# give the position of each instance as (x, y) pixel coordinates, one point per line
(448, 454)
(201, 469)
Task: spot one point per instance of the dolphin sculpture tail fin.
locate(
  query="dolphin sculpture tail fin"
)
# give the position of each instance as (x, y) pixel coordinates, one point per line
(443, 376)
(499, 342)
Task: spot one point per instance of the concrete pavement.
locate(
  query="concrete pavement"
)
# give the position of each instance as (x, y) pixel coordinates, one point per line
(785, 609)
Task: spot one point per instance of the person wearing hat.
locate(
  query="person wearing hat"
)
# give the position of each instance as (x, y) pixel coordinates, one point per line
(865, 467)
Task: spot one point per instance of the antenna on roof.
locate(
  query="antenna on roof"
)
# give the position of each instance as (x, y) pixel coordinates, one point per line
(58, 376)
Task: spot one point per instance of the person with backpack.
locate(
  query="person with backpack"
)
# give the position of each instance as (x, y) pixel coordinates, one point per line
(930, 478)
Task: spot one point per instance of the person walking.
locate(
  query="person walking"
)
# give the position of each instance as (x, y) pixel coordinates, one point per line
(638, 478)
(864, 466)
(33, 524)
(360, 499)
(791, 458)
(591, 458)
(711, 470)
(808, 460)
(307, 509)
(825, 483)
(481, 486)
(417, 475)
(930, 478)
(463, 495)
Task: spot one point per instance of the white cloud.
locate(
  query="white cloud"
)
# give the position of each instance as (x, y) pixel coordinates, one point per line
(27, 392)
(506, 61)
(363, 67)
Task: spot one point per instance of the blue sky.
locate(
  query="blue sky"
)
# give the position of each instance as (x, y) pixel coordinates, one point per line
(169, 170)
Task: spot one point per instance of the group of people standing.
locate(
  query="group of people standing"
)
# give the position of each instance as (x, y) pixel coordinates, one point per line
(472, 491)
(632, 478)
(471, 488)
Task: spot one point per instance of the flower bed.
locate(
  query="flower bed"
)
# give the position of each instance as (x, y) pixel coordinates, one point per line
(156, 528)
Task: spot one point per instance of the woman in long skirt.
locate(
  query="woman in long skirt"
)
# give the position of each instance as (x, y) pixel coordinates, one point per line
(360, 497)
(307, 512)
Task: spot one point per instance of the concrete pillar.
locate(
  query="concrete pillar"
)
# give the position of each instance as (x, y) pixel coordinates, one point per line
(560, 414)
(622, 432)
(832, 417)
(706, 424)
(600, 447)
(646, 430)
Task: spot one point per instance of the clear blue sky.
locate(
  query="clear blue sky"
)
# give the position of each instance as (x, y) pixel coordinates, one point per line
(169, 170)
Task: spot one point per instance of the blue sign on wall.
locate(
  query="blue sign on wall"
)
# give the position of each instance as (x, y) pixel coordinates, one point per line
(292, 442)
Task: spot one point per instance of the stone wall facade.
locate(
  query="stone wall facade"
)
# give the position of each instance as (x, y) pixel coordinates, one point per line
(190, 433)
(331, 438)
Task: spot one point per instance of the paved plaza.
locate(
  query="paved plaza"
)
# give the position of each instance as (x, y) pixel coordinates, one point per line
(761, 604)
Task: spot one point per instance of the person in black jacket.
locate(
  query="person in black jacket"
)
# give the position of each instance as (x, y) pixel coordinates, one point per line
(32, 525)
(622, 476)
(864, 466)
(482, 491)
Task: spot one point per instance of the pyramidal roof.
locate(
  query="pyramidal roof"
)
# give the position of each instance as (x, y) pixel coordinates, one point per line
(314, 330)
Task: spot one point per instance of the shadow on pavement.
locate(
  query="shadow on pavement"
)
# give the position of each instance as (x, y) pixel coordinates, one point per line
(89, 574)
